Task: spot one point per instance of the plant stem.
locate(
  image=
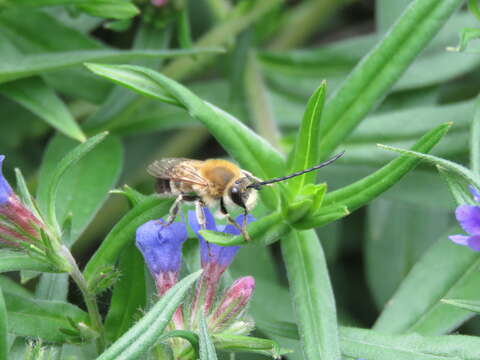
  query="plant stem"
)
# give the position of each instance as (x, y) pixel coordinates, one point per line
(88, 297)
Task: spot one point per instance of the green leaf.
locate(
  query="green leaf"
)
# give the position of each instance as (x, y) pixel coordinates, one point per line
(312, 295)
(65, 164)
(3, 329)
(306, 151)
(475, 140)
(14, 261)
(397, 236)
(372, 345)
(473, 7)
(92, 177)
(190, 336)
(381, 68)
(387, 12)
(111, 9)
(460, 170)
(466, 35)
(245, 146)
(457, 186)
(35, 64)
(248, 344)
(129, 294)
(41, 318)
(207, 350)
(44, 102)
(265, 231)
(470, 305)
(145, 333)
(124, 232)
(366, 189)
(446, 271)
(24, 193)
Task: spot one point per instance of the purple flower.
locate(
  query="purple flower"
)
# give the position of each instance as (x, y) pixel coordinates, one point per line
(161, 246)
(214, 259)
(159, 3)
(5, 189)
(469, 218)
(19, 224)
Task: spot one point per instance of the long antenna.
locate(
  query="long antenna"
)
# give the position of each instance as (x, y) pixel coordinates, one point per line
(258, 185)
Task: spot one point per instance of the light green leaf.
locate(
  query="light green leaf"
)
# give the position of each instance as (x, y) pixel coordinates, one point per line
(381, 68)
(35, 64)
(248, 344)
(3, 329)
(145, 333)
(207, 350)
(312, 295)
(15, 261)
(44, 102)
(92, 177)
(475, 140)
(66, 163)
(446, 271)
(470, 305)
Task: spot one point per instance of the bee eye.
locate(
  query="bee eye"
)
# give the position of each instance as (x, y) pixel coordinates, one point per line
(236, 196)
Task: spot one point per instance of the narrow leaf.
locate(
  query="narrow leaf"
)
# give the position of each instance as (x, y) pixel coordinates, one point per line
(124, 232)
(460, 170)
(14, 261)
(249, 344)
(36, 96)
(374, 76)
(245, 146)
(457, 186)
(470, 305)
(207, 350)
(145, 333)
(111, 9)
(306, 151)
(67, 162)
(312, 295)
(475, 140)
(3, 329)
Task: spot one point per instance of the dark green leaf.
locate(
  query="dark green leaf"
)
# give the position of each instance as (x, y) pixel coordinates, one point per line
(113, 9)
(312, 295)
(473, 7)
(306, 151)
(145, 333)
(42, 101)
(207, 350)
(129, 294)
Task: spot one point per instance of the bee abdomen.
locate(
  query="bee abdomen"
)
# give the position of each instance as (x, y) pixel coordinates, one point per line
(162, 186)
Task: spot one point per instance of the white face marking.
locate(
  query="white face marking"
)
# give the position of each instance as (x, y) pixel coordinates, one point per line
(251, 200)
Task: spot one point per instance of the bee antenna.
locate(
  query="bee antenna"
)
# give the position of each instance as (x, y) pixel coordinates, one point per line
(258, 185)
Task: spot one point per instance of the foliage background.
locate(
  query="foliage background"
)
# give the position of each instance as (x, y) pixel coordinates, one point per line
(275, 58)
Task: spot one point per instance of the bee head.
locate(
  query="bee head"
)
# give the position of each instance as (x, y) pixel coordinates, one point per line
(241, 195)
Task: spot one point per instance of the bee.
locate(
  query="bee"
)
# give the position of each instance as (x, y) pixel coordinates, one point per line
(213, 183)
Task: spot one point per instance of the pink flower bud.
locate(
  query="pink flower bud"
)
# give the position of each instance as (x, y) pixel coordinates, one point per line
(159, 3)
(233, 303)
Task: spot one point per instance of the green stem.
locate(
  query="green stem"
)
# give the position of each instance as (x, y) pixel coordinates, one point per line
(88, 297)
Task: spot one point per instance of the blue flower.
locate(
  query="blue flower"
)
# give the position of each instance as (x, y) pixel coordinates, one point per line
(212, 253)
(469, 218)
(5, 189)
(161, 246)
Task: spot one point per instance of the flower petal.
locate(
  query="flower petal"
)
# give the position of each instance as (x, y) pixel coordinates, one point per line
(459, 239)
(193, 221)
(5, 189)
(161, 245)
(475, 193)
(469, 218)
(474, 242)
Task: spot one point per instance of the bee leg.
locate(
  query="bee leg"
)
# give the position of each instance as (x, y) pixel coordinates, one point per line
(174, 210)
(202, 221)
(243, 228)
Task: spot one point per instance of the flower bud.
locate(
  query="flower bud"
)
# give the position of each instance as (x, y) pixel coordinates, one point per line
(233, 303)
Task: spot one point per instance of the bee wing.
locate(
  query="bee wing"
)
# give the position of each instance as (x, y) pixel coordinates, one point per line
(177, 169)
